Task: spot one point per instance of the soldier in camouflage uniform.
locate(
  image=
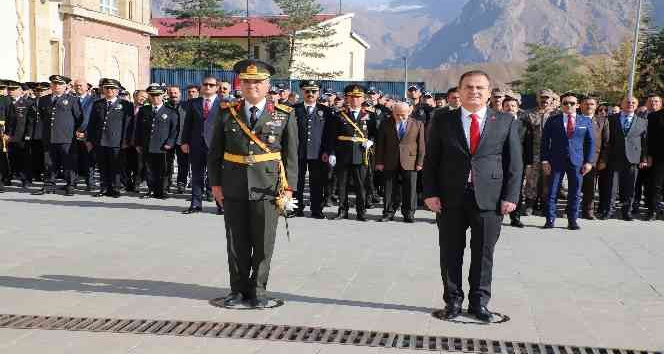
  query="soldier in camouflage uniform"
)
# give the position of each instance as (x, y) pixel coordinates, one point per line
(536, 184)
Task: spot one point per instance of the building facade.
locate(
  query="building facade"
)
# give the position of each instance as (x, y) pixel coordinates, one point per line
(346, 58)
(87, 39)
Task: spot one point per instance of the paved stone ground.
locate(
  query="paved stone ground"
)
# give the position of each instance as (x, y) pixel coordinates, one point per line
(131, 258)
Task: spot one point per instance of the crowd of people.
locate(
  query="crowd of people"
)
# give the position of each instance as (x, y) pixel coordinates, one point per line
(359, 139)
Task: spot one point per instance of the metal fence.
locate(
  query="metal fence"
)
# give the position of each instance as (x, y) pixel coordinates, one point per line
(185, 76)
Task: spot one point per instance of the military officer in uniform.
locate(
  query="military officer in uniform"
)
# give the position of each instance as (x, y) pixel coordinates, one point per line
(312, 118)
(252, 167)
(5, 102)
(349, 146)
(61, 117)
(17, 123)
(107, 134)
(34, 132)
(157, 134)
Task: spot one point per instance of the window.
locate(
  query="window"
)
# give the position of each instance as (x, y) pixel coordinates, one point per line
(131, 10)
(272, 51)
(257, 52)
(109, 7)
(352, 66)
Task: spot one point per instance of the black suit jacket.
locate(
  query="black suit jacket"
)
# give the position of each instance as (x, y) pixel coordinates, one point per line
(630, 148)
(497, 165)
(656, 136)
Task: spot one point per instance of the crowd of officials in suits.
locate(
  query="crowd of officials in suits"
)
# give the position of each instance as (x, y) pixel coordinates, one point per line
(573, 146)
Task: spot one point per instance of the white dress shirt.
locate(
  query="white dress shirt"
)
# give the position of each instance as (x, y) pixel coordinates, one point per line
(466, 120)
(260, 105)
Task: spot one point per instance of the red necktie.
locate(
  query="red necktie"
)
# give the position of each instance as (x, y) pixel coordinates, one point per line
(570, 126)
(474, 133)
(206, 109)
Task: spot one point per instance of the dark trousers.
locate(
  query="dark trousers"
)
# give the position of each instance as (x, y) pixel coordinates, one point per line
(484, 232)
(642, 188)
(357, 174)
(183, 167)
(251, 228)
(624, 179)
(170, 168)
(656, 185)
(4, 167)
(57, 157)
(400, 188)
(85, 163)
(133, 168)
(588, 190)
(370, 186)
(520, 204)
(36, 156)
(155, 165)
(110, 166)
(18, 160)
(574, 180)
(199, 182)
(317, 179)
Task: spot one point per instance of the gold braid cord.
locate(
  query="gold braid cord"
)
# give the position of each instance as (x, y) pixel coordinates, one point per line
(360, 133)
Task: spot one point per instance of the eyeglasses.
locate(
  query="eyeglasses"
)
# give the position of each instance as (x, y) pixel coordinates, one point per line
(311, 91)
(208, 84)
(569, 103)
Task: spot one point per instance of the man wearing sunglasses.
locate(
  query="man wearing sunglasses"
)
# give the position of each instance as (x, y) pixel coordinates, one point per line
(312, 118)
(568, 148)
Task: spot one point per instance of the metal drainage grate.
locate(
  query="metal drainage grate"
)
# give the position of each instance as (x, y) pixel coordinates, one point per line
(296, 334)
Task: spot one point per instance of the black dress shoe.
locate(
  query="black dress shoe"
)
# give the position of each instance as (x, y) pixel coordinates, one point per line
(588, 215)
(361, 217)
(298, 213)
(573, 225)
(319, 215)
(69, 191)
(42, 192)
(481, 313)
(451, 311)
(548, 224)
(220, 211)
(651, 216)
(259, 302)
(147, 195)
(386, 217)
(605, 215)
(113, 194)
(180, 190)
(628, 217)
(342, 214)
(517, 223)
(99, 194)
(234, 299)
(192, 210)
(408, 219)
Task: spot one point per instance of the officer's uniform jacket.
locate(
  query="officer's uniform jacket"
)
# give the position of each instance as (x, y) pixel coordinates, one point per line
(17, 119)
(109, 127)
(60, 118)
(277, 128)
(157, 129)
(312, 134)
(348, 152)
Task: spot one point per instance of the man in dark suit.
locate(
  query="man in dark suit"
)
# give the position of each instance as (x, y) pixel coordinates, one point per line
(85, 159)
(472, 178)
(400, 155)
(61, 117)
(568, 148)
(34, 133)
(202, 114)
(312, 119)
(599, 171)
(16, 128)
(157, 133)
(656, 161)
(627, 153)
(107, 132)
(175, 102)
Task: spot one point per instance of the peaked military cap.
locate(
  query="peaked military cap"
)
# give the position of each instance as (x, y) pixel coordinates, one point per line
(413, 88)
(12, 85)
(545, 93)
(354, 90)
(3, 84)
(154, 89)
(43, 86)
(427, 94)
(273, 90)
(32, 85)
(497, 92)
(372, 90)
(59, 79)
(110, 83)
(251, 69)
(310, 85)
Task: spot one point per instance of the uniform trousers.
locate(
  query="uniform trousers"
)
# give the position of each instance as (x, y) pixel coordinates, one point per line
(110, 166)
(59, 157)
(357, 174)
(155, 164)
(317, 180)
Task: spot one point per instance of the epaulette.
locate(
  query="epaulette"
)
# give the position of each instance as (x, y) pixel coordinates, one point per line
(283, 107)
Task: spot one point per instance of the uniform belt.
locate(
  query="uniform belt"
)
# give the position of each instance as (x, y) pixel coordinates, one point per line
(354, 139)
(252, 159)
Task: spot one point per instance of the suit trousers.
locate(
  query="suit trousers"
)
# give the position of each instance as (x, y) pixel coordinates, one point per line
(155, 164)
(485, 228)
(656, 186)
(110, 166)
(133, 168)
(400, 188)
(4, 168)
(183, 167)
(170, 167)
(36, 156)
(251, 228)
(18, 160)
(317, 179)
(588, 190)
(625, 180)
(574, 179)
(58, 157)
(642, 187)
(85, 162)
(357, 174)
(199, 182)
(520, 205)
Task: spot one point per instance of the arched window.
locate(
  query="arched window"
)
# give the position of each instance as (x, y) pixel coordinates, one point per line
(109, 7)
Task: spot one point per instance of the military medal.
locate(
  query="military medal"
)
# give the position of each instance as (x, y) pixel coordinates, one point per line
(271, 139)
(164, 116)
(65, 102)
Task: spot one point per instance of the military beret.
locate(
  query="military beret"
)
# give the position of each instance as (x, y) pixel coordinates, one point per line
(354, 90)
(110, 83)
(59, 79)
(514, 95)
(12, 85)
(309, 85)
(154, 89)
(251, 69)
(545, 93)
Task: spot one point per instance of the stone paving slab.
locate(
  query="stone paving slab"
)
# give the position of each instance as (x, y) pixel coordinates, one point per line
(132, 258)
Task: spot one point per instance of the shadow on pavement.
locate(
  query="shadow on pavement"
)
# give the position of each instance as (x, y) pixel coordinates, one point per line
(103, 203)
(170, 289)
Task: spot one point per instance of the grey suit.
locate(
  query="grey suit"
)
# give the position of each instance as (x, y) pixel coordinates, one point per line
(496, 168)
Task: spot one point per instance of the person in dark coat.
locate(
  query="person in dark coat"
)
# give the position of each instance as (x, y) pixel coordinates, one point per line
(107, 133)
(157, 134)
(61, 117)
(17, 124)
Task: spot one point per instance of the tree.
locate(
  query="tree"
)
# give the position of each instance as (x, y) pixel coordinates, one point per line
(305, 37)
(193, 47)
(555, 68)
(651, 64)
(609, 73)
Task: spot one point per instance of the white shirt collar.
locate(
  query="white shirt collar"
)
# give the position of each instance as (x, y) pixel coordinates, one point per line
(212, 98)
(112, 100)
(158, 107)
(481, 113)
(260, 105)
